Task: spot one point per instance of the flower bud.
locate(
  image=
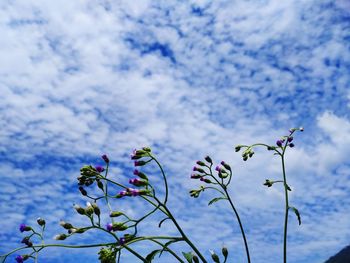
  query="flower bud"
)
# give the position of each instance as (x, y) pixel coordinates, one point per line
(208, 159)
(290, 139)
(100, 184)
(21, 258)
(200, 163)
(195, 259)
(227, 167)
(66, 225)
(205, 180)
(24, 227)
(116, 214)
(119, 227)
(140, 174)
(60, 237)
(40, 221)
(97, 210)
(82, 191)
(105, 158)
(89, 210)
(194, 193)
(291, 145)
(139, 163)
(238, 148)
(195, 176)
(215, 257)
(76, 230)
(271, 148)
(79, 209)
(200, 170)
(279, 143)
(224, 252)
(268, 183)
(146, 149)
(99, 168)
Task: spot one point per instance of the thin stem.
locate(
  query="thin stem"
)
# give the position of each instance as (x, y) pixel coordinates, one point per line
(240, 224)
(183, 234)
(286, 211)
(164, 177)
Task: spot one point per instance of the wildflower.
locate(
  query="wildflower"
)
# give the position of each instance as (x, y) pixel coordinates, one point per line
(109, 227)
(105, 158)
(122, 241)
(279, 143)
(24, 227)
(40, 221)
(99, 168)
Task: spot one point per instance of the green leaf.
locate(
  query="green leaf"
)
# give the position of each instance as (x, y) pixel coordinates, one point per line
(296, 213)
(188, 256)
(214, 200)
(151, 255)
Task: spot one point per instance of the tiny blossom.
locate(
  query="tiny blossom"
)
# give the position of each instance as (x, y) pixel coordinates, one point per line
(105, 158)
(122, 241)
(99, 168)
(109, 227)
(19, 259)
(22, 227)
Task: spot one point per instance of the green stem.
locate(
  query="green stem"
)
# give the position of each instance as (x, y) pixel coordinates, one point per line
(164, 177)
(286, 211)
(240, 225)
(183, 234)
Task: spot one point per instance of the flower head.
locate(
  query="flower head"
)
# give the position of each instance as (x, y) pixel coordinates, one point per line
(24, 227)
(105, 158)
(122, 241)
(279, 143)
(99, 168)
(109, 227)
(19, 259)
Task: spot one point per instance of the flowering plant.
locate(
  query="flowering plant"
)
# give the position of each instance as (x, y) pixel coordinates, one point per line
(124, 229)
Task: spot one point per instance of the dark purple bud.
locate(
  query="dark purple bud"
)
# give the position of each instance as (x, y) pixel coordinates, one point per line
(136, 172)
(99, 168)
(105, 158)
(19, 259)
(82, 191)
(279, 143)
(226, 165)
(198, 169)
(23, 227)
(208, 159)
(109, 227)
(291, 145)
(218, 168)
(200, 163)
(121, 241)
(290, 139)
(195, 176)
(40, 221)
(139, 163)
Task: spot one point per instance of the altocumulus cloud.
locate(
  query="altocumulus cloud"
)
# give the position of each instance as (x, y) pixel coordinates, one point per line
(82, 78)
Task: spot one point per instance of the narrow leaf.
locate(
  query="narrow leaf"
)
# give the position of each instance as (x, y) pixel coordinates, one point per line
(188, 256)
(214, 200)
(296, 213)
(151, 255)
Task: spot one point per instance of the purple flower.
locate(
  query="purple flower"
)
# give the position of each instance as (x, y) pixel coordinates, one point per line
(194, 168)
(23, 227)
(109, 227)
(279, 143)
(136, 172)
(291, 145)
(134, 192)
(217, 168)
(19, 259)
(123, 193)
(99, 168)
(290, 138)
(105, 158)
(122, 241)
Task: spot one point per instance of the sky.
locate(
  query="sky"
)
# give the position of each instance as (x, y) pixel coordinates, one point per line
(79, 79)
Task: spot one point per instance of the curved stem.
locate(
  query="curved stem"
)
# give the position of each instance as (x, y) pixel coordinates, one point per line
(164, 177)
(183, 234)
(240, 225)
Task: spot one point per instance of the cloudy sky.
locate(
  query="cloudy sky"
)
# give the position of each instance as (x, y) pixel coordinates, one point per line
(189, 78)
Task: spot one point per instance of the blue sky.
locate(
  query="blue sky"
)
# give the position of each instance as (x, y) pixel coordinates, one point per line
(188, 78)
